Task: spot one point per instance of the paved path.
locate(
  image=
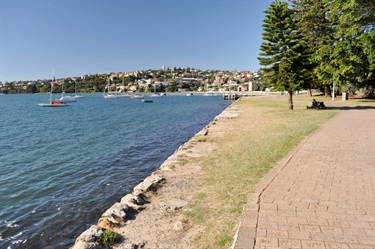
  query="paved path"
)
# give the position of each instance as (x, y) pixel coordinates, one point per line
(322, 195)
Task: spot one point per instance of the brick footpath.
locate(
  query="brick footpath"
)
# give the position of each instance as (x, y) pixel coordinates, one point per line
(322, 194)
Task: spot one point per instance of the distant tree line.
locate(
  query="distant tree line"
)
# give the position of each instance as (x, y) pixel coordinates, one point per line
(318, 44)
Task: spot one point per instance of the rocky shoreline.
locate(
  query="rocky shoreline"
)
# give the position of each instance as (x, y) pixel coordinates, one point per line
(150, 216)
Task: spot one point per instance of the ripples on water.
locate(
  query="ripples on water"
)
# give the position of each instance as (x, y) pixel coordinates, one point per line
(61, 168)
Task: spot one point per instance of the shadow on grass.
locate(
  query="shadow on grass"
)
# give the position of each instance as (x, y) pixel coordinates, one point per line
(348, 107)
(366, 100)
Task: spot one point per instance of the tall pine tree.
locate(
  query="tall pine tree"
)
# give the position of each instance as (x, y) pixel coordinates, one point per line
(283, 51)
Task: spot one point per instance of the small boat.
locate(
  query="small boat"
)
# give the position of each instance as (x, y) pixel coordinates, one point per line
(77, 96)
(67, 99)
(208, 94)
(137, 96)
(53, 103)
(147, 100)
(122, 93)
(109, 95)
(156, 95)
(189, 94)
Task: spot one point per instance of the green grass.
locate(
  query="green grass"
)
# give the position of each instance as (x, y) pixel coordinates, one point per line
(108, 237)
(264, 133)
(181, 160)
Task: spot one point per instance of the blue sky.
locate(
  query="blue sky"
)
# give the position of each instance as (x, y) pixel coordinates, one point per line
(78, 37)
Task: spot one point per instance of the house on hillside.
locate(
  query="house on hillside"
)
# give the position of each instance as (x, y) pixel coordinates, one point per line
(113, 76)
(242, 88)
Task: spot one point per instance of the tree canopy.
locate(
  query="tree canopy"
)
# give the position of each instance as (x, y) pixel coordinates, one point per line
(313, 43)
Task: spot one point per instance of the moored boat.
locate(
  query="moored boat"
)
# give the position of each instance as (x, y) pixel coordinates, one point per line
(137, 96)
(109, 95)
(156, 95)
(53, 103)
(77, 96)
(67, 99)
(208, 94)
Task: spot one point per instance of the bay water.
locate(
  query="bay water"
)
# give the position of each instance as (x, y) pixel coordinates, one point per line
(61, 168)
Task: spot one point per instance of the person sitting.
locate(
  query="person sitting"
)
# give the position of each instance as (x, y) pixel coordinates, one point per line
(316, 105)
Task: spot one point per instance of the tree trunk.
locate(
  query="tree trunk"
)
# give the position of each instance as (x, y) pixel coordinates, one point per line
(369, 92)
(327, 91)
(290, 100)
(309, 93)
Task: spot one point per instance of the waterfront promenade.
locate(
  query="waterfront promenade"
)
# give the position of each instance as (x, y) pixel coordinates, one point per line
(322, 194)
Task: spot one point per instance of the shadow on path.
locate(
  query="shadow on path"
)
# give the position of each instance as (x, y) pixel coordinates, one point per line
(349, 107)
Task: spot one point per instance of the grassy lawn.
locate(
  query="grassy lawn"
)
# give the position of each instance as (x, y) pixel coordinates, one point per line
(251, 145)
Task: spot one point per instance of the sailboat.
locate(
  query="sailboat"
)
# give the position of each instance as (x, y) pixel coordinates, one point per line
(156, 95)
(122, 92)
(68, 99)
(53, 103)
(109, 95)
(76, 96)
(137, 96)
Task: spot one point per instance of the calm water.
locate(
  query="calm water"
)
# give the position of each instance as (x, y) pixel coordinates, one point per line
(61, 168)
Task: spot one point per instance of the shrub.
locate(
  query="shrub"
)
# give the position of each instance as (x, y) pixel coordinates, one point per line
(108, 237)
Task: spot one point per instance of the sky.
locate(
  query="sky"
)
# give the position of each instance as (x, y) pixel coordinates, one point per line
(40, 39)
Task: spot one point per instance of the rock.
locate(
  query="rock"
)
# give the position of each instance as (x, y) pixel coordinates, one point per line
(178, 226)
(89, 238)
(138, 199)
(114, 216)
(85, 245)
(128, 246)
(90, 235)
(134, 201)
(148, 184)
(174, 204)
(132, 246)
(203, 132)
(105, 223)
